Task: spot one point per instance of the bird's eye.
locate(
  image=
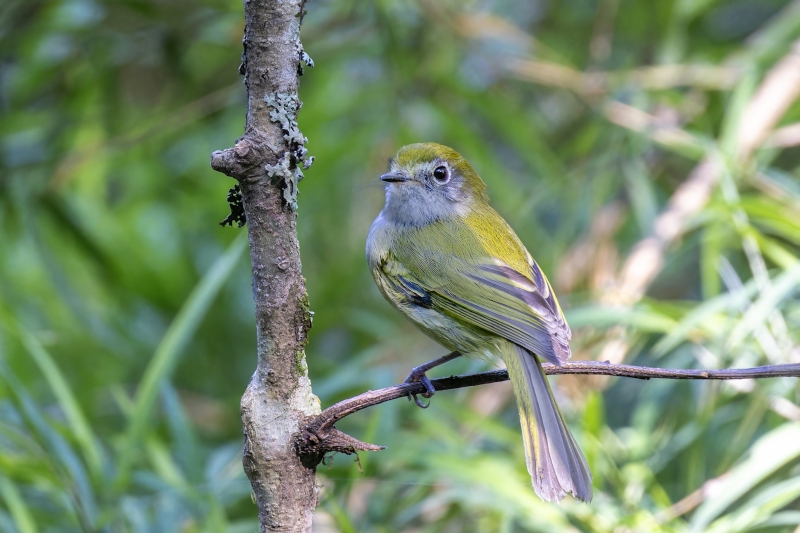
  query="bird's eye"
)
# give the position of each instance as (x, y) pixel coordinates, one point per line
(441, 175)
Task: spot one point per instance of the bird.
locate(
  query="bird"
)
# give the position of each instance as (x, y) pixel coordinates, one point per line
(453, 266)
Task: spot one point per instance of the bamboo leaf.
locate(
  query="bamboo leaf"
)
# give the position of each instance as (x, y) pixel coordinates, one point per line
(72, 410)
(66, 464)
(759, 508)
(769, 454)
(701, 315)
(20, 512)
(636, 317)
(782, 287)
(171, 347)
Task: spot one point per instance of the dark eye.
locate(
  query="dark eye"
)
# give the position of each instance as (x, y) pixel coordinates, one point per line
(441, 175)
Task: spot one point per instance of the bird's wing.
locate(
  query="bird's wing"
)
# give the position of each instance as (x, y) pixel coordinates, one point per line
(499, 299)
(479, 275)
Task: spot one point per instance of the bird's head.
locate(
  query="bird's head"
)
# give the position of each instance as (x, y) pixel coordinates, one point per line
(428, 182)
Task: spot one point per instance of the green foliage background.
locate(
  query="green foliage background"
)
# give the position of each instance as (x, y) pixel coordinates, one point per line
(126, 327)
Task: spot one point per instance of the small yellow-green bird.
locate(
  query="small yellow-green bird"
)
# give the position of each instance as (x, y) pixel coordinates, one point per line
(454, 267)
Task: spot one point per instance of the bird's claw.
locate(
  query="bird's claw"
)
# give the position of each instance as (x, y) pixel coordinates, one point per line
(418, 401)
(419, 376)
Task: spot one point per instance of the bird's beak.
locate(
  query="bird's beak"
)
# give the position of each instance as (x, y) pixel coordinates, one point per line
(395, 177)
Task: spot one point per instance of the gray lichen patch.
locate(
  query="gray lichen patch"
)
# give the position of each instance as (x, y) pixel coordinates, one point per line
(288, 170)
(304, 58)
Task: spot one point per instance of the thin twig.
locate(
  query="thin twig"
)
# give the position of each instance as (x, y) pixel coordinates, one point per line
(336, 412)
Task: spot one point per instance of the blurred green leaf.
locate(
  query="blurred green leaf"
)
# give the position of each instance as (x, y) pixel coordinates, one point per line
(769, 454)
(783, 285)
(22, 515)
(639, 318)
(166, 355)
(68, 469)
(702, 315)
(759, 508)
(63, 393)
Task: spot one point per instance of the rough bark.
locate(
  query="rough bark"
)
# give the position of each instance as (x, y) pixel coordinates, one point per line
(266, 163)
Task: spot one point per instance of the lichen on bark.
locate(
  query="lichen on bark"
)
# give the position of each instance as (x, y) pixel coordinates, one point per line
(268, 161)
(288, 171)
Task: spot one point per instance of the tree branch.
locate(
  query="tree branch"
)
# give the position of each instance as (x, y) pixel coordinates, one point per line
(268, 162)
(318, 430)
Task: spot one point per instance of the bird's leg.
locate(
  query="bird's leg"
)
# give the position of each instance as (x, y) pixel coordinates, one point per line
(418, 374)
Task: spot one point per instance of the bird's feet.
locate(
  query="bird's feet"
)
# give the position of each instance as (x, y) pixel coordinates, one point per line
(418, 375)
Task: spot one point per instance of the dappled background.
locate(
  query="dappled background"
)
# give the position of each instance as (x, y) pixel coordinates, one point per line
(645, 152)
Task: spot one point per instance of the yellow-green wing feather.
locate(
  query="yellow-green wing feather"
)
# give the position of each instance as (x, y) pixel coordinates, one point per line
(497, 288)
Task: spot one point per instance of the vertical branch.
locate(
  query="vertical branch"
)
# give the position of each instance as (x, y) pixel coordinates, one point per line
(267, 162)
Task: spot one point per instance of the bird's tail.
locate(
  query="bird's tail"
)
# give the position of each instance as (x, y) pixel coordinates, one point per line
(555, 462)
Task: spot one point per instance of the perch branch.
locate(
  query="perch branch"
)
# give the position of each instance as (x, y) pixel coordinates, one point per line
(320, 429)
